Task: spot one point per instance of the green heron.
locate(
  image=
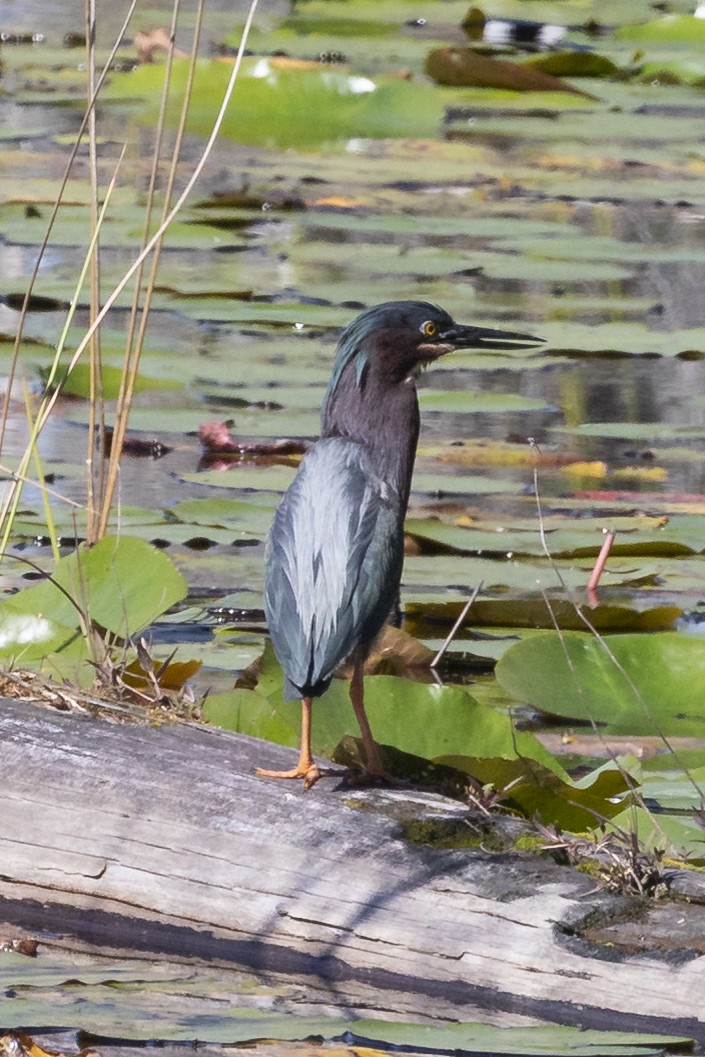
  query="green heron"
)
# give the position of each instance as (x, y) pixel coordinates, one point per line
(335, 549)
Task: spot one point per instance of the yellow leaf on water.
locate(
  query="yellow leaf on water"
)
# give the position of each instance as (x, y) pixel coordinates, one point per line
(586, 469)
(489, 453)
(339, 201)
(643, 473)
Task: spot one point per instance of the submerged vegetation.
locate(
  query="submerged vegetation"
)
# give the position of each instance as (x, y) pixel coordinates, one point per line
(369, 152)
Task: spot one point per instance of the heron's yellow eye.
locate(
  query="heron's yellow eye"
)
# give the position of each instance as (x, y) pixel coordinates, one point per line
(429, 329)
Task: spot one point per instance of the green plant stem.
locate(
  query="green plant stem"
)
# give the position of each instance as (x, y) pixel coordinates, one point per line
(95, 460)
(136, 336)
(52, 219)
(11, 503)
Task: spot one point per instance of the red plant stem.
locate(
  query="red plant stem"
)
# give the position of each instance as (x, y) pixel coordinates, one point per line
(601, 560)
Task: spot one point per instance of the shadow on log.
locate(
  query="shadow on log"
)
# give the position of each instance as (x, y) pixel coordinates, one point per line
(161, 840)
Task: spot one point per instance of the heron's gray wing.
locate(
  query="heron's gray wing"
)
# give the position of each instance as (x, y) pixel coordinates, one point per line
(333, 563)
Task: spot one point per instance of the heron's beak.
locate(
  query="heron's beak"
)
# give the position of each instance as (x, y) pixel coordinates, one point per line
(461, 337)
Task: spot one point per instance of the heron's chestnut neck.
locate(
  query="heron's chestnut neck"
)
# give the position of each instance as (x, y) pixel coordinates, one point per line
(378, 408)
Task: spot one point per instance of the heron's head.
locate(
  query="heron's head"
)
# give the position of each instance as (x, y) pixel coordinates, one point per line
(400, 336)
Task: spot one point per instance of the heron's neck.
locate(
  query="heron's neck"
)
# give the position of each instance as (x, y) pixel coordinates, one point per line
(382, 417)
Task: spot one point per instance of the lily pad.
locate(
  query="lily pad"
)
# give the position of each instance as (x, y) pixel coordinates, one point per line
(671, 28)
(78, 383)
(442, 724)
(288, 104)
(635, 684)
(120, 584)
(574, 64)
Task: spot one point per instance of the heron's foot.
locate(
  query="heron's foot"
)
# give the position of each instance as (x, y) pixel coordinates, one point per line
(366, 779)
(310, 773)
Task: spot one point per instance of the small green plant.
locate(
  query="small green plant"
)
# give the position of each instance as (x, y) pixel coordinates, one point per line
(77, 622)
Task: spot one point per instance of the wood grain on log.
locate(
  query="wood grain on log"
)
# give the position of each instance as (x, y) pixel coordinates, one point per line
(161, 839)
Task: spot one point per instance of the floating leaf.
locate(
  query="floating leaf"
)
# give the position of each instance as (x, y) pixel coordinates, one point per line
(674, 71)
(465, 66)
(540, 793)
(29, 636)
(288, 105)
(680, 788)
(78, 382)
(678, 29)
(535, 613)
(121, 584)
(442, 724)
(636, 684)
(676, 837)
(574, 64)
(395, 652)
(173, 676)
(552, 1041)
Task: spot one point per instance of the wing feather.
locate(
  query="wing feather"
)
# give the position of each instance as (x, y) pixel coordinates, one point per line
(333, 563)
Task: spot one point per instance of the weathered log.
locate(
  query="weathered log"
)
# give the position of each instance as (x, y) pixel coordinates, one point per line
(162, 840)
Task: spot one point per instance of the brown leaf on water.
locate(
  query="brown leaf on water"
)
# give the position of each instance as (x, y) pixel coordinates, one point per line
(607, 746)
(19, 945)
(216, 438)
(148, 43)
(465, 67)
(398, 653)
(21, 1045)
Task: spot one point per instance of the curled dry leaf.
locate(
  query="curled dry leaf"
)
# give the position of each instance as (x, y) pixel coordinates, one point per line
(216, 439)
(464, 67)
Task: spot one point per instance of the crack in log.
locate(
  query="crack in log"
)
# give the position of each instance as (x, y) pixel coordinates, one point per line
(159, 938)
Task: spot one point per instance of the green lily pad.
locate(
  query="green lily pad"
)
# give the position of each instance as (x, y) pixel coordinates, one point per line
(632, 684)
(229, 514)
(673, 836)
(121, 584)
(282, 105)
(180, 1004)
(540, 793)
(574, 64)
(443, 724)
(678, 29)
(78, 382)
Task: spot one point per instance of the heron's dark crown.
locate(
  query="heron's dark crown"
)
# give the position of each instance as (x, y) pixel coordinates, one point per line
(404, 320)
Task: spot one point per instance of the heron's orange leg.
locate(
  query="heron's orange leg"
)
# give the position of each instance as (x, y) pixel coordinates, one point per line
(373, 761)
(306, 768)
